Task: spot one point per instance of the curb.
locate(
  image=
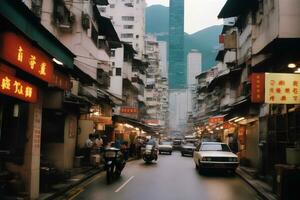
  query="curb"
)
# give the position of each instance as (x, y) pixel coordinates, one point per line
(258, 191)
(64, 190)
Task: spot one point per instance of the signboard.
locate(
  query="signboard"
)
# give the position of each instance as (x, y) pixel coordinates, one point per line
(216, 119)
(18, 51)
(282, 88)
(105, 120)
(152, 121)
(129, 110)
(11, 86)
(258, 88)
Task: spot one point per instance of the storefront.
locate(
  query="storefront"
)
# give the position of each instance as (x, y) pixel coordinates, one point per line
(27, 70)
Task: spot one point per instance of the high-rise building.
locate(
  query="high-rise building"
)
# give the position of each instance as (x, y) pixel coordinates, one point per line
(177, 67)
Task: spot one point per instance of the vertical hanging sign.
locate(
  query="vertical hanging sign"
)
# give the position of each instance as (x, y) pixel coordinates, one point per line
(258, 88)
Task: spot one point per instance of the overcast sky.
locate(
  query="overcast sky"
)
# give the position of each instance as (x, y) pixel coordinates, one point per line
(199, 14)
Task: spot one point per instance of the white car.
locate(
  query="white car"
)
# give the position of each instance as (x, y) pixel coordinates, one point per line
(209, 155)
(165, 147)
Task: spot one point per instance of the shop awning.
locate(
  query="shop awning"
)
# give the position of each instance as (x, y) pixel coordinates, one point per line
(17, 13)
(133, 122)
(234, 8)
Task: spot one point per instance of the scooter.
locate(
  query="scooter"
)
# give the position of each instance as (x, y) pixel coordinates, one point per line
(149, 153)
(114, 163)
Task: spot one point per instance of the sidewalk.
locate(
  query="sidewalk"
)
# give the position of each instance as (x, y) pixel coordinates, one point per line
(263, 189)
(73, 181)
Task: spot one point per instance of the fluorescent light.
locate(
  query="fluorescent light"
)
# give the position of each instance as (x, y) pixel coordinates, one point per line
(291, 65)
(239, 119)
(232, 119)
(57, 61)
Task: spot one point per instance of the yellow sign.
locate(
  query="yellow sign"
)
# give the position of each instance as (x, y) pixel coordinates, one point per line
(282, 88)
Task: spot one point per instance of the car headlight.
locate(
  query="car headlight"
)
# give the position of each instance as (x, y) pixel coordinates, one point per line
(232, 159)
(206, 159)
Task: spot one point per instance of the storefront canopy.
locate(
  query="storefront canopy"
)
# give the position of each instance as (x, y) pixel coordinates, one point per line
(133, 122)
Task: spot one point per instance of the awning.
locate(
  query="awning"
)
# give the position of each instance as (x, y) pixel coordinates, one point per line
(133, 122)
(234, 8)
(221, 77)
(17, 13)
(112, 97)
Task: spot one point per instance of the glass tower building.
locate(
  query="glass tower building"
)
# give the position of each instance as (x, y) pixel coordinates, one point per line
(177, 67)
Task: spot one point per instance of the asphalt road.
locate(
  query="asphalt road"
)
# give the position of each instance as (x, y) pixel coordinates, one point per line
(171, 178)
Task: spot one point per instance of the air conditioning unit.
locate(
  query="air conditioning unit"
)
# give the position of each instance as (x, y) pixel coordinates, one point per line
(85, 21)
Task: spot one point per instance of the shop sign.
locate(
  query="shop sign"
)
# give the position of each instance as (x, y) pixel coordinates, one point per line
(20, 52)
(227, 125)
(258, 87)
(152, 121)
(216, 119)
(105, 120)
(129, 110)
(17, 88)
(282, 88)
(61, 81)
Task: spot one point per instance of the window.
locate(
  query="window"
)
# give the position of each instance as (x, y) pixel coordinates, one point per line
(128, 18)
(112, 64)
(215, 147)
(137, 36)
(102, 9)
(127, 35)
(128, 26)
(112, 53)
(118, 71)
(112, 5)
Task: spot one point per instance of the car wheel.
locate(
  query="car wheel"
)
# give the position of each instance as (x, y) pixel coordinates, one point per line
(170, 152)
(182, 154)
(159, 152)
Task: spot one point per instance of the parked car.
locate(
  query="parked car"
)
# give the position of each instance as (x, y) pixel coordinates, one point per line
(209, 155)
(165, 147)
(187, 149)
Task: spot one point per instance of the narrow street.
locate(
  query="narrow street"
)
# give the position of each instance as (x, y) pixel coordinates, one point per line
(172, 177)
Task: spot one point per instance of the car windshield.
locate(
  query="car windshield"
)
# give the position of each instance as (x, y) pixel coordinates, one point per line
(215, 147)
(166, 143)
(189, 144)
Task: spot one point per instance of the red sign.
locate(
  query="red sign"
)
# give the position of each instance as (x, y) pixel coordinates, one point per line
(129, 110)
(61, 81)
(258, 87)
(14, 87)
(216, 119)
(228, 125)
(18, 51)
(152, 121)
(221, 39)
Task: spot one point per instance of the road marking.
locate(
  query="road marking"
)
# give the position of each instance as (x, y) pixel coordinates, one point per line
(124, 184)
(75, 195)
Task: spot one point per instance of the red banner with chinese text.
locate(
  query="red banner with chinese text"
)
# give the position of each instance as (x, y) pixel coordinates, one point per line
(129, 110)
(258, 88)
(20, 52)
(216, 119)
(11, 86)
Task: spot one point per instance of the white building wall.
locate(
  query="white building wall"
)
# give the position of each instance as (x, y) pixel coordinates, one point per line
(194, 69)
(163, 58)
(116, 81)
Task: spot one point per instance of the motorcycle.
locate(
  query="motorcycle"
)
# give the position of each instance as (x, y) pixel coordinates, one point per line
(149, 153)
(114, 163)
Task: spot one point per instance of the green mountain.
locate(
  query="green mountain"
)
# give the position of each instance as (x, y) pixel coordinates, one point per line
(205, 41)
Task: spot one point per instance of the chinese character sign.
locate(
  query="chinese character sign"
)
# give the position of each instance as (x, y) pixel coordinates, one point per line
(216, 119)
(129, 110)
(14, 87)
(258, 87)
(20, 52)
(282, 88)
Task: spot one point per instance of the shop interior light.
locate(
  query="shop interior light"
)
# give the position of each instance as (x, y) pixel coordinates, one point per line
(239, 119)
(57, 61)
(232, 119)
(128, 126)
(297, 71)
(221, 127)
(291, 65)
